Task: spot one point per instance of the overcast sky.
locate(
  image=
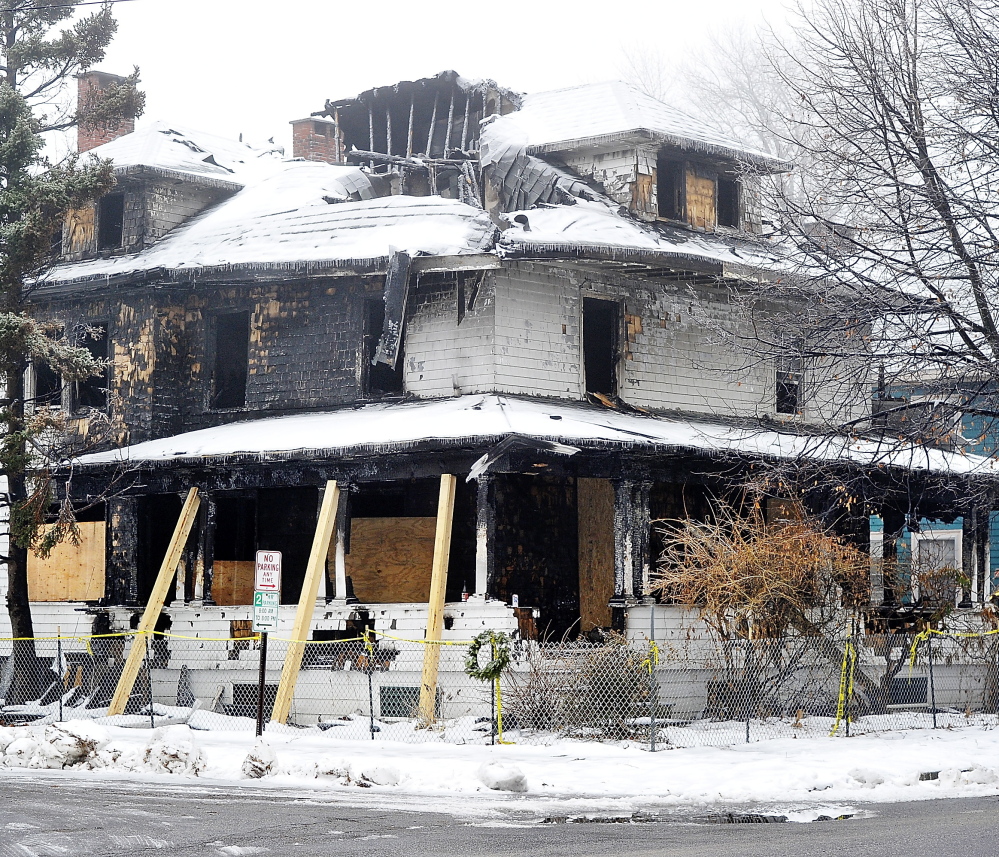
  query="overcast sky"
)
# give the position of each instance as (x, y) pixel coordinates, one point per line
(232, 66)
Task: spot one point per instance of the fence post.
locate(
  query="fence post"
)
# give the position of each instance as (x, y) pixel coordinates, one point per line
(59, 667)
(847, 703)
(933, 691)
(261, 683)
(368, 634)
(653, 684)
(745, 683)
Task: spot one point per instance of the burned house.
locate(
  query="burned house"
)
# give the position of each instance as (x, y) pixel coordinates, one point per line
(447, 278)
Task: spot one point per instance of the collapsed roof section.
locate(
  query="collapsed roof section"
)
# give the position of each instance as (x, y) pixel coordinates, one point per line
(435, 117)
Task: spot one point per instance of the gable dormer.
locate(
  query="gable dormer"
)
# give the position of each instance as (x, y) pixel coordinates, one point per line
(165, 175)
(646, 156)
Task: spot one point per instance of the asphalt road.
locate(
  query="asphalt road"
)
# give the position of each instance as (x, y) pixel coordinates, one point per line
(57, 817)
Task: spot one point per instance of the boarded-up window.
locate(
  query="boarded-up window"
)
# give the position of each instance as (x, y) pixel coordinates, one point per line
(595, 506)
(601, 331)
(700, 199)
(232, 350)
(80, 229)
(390, 559)
(110, 221)
(70, 572)
(235, 544)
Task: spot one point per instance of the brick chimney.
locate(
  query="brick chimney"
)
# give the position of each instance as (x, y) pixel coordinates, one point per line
(88, 85)
(315, 139)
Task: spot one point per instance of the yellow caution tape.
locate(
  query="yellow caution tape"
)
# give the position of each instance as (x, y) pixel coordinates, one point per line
(652, 660)
(845, 684)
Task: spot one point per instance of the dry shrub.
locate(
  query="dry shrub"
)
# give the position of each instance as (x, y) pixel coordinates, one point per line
(753, 577)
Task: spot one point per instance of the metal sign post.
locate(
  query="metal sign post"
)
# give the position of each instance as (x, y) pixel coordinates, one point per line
(266, 603)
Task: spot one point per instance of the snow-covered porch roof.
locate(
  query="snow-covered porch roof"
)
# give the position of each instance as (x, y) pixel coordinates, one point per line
(476, 420)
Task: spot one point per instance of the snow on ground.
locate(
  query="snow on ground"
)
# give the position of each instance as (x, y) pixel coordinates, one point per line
(576, 776)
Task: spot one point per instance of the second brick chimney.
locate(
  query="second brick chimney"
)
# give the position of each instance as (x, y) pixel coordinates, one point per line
(88, 85)
(315, 139)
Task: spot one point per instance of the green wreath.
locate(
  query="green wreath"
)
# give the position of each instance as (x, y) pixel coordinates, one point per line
(500, 646)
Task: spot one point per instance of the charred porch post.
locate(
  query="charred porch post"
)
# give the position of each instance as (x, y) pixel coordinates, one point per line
(340, 547)
(485, 534)
(632, 566)
(121, 586)
(209, 511)
(894, 523)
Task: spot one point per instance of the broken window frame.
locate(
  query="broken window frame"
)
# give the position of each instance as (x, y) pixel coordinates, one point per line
(36, 371)
(92, 394)
(111, 221)
(611, 358)
(670, 181)
(788, 384)
(375, 372)
(732, 205)
(221, 398)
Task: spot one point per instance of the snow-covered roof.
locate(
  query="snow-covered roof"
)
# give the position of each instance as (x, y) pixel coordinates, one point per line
(176, 149)
(481, 419)
(591, 228)
(303, 213)
(603, 113)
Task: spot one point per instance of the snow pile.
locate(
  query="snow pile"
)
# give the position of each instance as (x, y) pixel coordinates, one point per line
(915, 764)
(51, 746)
(503, 778)
(259, 762)
(173, 750)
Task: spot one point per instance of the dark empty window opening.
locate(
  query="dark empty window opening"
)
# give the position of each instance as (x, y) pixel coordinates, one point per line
(728, 203)
(92, 392)
(381, 379)
(48, 385)
(601, 326)
(55, 242)
(235, 528)
(111, 221)
(788, 392)
(319, 129)
(669, 188)
(232, 350)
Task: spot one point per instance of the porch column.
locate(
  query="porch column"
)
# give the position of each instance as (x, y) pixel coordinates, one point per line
(485, 534)
(122, 527)
(969, 526)
(203, 585)
(340, 537)
(632, 564)
(982, 533)
(894, 523)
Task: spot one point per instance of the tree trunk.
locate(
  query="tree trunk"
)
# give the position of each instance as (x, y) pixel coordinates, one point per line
(27, 676)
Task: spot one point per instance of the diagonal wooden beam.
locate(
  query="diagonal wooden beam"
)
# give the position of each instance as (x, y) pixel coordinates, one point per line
(306, 603)
(154, 606)
(435, 607)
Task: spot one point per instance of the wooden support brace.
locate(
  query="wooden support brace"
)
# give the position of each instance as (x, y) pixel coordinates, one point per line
(435, 607)
(306, 603)
(154, 605)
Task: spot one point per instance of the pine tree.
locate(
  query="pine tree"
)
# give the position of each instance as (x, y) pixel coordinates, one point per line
(42, 46)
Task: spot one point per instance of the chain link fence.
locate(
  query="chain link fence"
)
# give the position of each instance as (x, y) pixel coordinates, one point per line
(666, 694)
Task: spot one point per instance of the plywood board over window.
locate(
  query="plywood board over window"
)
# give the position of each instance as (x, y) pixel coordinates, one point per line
(80, 229)
(232, 582)
(595, 504)
(70, 572)
(701, 211)
(390, 558)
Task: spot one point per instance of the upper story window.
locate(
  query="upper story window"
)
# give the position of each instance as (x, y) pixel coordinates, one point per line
(728, 203)
(110, 221)
(788, 387)
(44, 384)
(601, 335)
(380, 379)
(696, 194)
(231, 365)
(93, 391)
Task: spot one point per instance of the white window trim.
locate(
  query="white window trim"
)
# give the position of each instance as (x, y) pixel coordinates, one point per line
(940, 535)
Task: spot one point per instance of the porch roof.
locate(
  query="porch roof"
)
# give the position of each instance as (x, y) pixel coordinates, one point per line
(480, 420)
